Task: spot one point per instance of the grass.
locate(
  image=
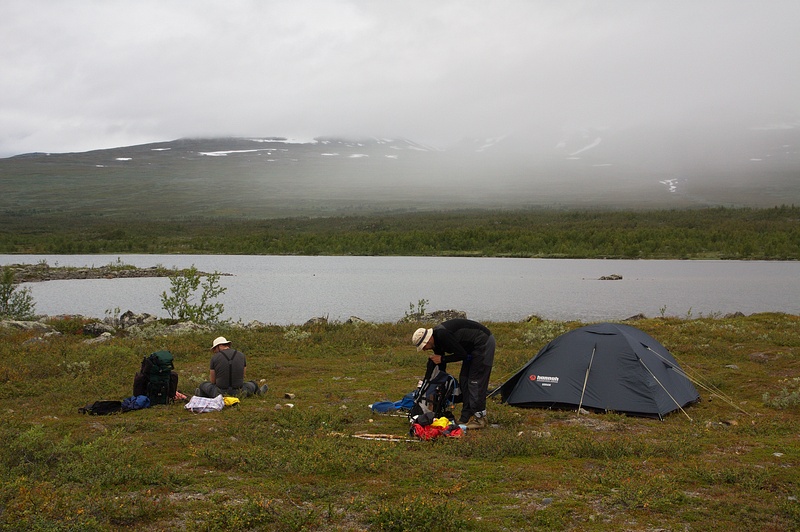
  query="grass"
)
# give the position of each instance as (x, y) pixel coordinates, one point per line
(264, 466)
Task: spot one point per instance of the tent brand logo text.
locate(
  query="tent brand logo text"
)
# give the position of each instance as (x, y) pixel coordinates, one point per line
(544, 379)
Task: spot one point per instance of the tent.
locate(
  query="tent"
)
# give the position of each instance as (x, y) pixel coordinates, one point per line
(603, 367)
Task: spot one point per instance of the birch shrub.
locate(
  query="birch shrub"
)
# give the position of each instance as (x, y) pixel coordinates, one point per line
(15, 303)
(184, 304)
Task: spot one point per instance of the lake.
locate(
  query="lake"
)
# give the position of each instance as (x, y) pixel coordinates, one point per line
(285, 290)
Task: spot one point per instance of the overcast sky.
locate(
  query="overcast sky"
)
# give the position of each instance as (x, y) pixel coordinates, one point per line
(85, 74)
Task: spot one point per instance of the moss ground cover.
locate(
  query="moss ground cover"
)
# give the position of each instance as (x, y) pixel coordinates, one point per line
(257, 466)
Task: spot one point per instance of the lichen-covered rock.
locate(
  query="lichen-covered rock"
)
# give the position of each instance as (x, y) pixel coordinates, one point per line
(27, 325)
(435, 317)
(97, 328)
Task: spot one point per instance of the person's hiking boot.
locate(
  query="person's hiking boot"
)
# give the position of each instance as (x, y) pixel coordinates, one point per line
(476, 423)
(263, 389)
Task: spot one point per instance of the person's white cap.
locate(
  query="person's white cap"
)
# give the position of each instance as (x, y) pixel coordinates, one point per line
(218, 341)
(420, 337)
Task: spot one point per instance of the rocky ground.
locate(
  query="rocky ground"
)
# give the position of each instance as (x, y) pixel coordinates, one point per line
(29, 273)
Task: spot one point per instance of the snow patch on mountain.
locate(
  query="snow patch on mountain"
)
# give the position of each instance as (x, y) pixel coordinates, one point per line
(285, 140)
(226, 152)
(488, 143)
(595, 143)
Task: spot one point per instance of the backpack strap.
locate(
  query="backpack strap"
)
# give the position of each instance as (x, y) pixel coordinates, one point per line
(230, 367)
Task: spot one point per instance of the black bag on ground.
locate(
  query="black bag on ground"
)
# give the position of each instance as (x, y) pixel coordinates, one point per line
(435, 396)
(102, 408)
(156, 379)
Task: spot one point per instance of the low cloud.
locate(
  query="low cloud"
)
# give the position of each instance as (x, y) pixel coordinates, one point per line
(81, 75)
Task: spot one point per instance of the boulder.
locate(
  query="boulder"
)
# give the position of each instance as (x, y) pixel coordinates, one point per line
(106, 336)
(186, 327)
(38, 326)
(435, 317)
(97, 328)
(636, 317)
(129, 319)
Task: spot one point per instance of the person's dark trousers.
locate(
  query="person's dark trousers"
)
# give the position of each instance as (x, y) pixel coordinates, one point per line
(212, 390)
(474, 381)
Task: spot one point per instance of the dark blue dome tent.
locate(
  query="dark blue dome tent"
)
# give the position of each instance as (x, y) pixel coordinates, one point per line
(604, 367)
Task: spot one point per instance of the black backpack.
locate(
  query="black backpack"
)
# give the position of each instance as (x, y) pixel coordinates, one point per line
(156, 379)
(102, 408)
(436, 396)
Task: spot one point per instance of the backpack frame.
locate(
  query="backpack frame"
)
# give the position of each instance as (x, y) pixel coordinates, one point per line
(156, 378)
(435, 396)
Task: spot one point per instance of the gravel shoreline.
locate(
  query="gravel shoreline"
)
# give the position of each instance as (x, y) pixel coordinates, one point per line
(31, 273)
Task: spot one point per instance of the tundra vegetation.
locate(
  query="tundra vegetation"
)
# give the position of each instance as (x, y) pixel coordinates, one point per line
(708, 233)
(293, 459)
(729, 463)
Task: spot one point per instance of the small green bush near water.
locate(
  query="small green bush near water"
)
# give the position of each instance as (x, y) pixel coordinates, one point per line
(291, 462)
(186, 304)
(15, 303)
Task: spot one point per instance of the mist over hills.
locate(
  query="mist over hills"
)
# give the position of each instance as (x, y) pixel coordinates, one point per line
(270, 177)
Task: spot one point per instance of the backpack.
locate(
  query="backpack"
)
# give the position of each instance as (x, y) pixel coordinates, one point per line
(435, 396)
(156, 379)
(102, 408)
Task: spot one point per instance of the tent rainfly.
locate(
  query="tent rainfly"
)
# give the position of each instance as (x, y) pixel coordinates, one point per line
(603, 367)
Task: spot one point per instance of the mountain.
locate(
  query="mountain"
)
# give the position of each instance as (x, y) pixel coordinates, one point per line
(278, 177)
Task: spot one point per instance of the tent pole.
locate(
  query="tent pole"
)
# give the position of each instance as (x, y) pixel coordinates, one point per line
(665, 390)
(586, 378)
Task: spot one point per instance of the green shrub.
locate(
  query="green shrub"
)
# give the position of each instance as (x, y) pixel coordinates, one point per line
(542, 332)
(294, 334)
(788, 397)
(15, 303)
(180, 304)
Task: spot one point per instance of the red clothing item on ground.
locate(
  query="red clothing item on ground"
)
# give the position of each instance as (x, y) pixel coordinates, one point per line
(430, 432)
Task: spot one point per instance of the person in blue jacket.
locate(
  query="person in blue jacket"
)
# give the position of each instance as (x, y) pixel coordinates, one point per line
(472, 344)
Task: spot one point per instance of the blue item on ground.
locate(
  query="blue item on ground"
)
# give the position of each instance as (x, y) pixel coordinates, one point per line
(135, 402)
(383, 407)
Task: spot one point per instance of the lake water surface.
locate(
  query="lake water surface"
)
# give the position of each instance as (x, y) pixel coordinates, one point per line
(288, 290)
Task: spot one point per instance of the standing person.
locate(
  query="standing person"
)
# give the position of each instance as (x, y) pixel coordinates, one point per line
(227, 373)
(472, 344)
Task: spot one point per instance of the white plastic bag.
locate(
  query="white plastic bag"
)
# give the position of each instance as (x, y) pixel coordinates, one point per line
(201, 405)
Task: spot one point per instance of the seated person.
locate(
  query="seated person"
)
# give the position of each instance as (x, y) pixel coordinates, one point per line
(227, 373)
